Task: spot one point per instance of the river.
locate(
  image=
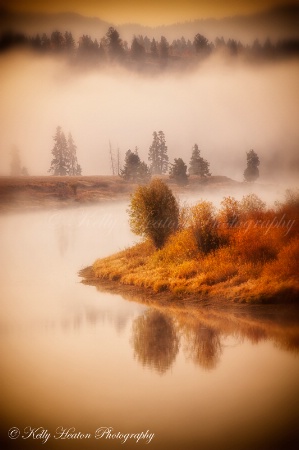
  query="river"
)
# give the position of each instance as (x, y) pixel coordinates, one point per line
(85, 369)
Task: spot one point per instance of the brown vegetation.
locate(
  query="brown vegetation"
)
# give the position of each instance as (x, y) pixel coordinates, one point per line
(56, 191)
(243, 252)
(33, 192)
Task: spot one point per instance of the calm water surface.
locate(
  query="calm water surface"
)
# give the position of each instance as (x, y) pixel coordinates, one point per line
(75, 358)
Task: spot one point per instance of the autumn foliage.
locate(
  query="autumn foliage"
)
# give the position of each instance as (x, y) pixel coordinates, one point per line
(242, 251)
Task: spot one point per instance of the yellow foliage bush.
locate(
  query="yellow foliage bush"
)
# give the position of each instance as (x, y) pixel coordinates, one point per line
(180, 246)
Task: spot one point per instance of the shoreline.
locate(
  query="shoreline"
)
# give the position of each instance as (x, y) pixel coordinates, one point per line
(185, 301)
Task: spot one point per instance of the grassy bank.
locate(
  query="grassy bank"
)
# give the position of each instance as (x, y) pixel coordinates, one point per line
(256, 258)
(33, 192)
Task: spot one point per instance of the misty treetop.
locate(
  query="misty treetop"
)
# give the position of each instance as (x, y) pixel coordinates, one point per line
(178, 172)
(134, 169)
(251, 172)
(148, 53)
(64, 153)
(157, 155)
(198, 165)
(16, 167)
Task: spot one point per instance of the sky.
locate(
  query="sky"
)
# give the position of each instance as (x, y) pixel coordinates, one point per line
(226, 109)
(149, 13)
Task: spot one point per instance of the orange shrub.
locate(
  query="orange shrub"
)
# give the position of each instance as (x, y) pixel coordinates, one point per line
(254, 243)
(287, 263)
(180, 246)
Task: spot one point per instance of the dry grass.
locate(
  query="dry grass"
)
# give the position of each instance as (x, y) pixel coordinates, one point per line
(257, 258)
(53, 191)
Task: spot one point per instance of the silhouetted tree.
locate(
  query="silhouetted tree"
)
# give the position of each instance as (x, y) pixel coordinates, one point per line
(134, 169)
(201, 44)
(158, 154)
(137, 50)
(164, 48)
(73, 168)
(198, 165)
(69, 42)
(178, 172)
(251, 172)
(114, 44)
(45, 42)
(60, 161)
(89, 49)
(154, 49)
(154, 212)
(232, 46)
(57, 41)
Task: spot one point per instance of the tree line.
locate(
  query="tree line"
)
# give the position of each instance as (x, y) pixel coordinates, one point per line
(138, 171)
(65, 162)
(143, 49)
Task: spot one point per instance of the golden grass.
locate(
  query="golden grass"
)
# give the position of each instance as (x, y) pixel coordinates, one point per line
(256, 262)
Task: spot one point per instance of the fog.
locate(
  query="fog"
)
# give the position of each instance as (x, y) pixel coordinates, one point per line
(226, 109)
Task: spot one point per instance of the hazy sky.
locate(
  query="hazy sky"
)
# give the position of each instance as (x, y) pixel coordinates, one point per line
(153, 12)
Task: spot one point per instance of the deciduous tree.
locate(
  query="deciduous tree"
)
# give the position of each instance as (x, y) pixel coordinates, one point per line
(154, 212)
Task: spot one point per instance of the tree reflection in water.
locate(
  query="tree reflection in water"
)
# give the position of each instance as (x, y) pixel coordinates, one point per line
(155, 340)
(203, 345)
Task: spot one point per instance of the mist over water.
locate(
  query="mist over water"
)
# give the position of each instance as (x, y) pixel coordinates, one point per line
(226, 109)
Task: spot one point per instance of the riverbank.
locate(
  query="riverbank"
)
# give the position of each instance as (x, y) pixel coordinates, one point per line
(36, 192)
(137, 272)
(243, 253)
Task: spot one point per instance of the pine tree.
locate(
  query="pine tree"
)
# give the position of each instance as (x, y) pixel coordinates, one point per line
(69, 42)
(164, 48)
(73, 167)
(158, 154)
(178, 172)
(154, 49)
(163, 152)
(198, 165)
(114, 44)
(60, 161)
(134, 169)
(251, 172)
(137, 50)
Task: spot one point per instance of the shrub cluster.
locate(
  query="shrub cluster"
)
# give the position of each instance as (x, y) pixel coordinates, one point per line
(242, 251)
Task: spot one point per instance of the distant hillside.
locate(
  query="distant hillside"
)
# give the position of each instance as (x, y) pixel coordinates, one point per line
(280, 22)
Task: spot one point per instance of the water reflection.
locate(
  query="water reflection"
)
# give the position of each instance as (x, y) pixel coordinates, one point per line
(155, 340)
(203, 346)
(158, 333)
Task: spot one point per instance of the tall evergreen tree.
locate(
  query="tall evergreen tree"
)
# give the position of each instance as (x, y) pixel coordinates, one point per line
(251, 172)
(69, 42)
(137, 50)
(201, 43)
(73, 167)
(158, 154)
(163, 152)
(60, 161)
(164, 48)
(198, 165)
(154, 49)
(114, 43)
